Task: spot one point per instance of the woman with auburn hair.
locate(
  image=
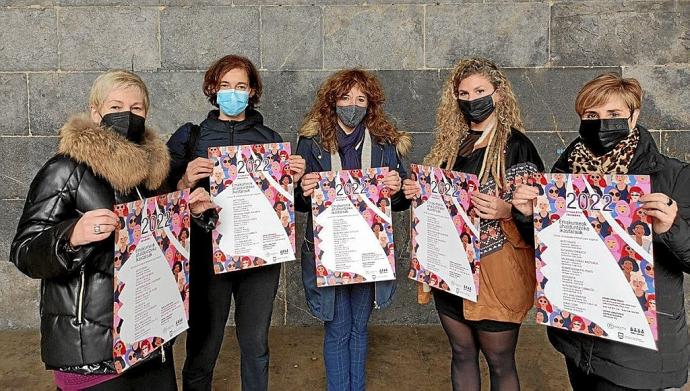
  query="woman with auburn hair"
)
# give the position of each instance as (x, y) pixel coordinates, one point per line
(612, 142)
(232, 84)
(479, 130)
(347, 129)
(107, 156)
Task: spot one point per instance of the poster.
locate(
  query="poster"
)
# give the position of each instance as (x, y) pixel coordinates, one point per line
(445, 239)
(253, 188)
(353, 231)
(594, 257)
(151, 280)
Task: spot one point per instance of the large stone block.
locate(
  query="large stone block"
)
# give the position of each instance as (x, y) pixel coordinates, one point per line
(421, 145)
(29, 39)
(13, 100)
(18, 293)
(412, 98)
(666, 102)
(378, 37)
(291, 38)
(546, 96)
(510, 34)
(676, 144)
(12, 210)
(193, 38)
(551, 145)
(176, 98)
(287, 98)
(620, 32)
(54, 97)
(19, 297)
(99, 38)
(107, 2)
(21, 3)
(21, 158)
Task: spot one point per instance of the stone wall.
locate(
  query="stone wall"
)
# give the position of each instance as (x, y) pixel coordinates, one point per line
(50, 52)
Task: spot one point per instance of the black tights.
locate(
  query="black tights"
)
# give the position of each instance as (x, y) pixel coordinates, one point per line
(498, 349)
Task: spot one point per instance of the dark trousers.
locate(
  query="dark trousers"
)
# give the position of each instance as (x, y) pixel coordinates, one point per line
(210, 296)
(581, 381)
(150, 375)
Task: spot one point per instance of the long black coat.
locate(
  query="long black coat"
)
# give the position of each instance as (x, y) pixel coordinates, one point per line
(627, 365)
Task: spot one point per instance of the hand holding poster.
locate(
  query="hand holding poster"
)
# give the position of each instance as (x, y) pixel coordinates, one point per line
(151, 283)
(595, 265)
(353, 234)
(252, 186)
(445, 241)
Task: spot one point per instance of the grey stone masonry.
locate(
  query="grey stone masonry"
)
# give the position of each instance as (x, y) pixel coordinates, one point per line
(52, 50)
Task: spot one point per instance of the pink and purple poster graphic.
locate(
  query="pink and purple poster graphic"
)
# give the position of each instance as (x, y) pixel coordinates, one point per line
(594, 257)
(253, 189)
(445, 236)
(151, 281)
(353, 232)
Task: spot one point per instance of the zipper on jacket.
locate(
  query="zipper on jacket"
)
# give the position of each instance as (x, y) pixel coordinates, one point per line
(163, 353)
(80, 297)
(376, 306)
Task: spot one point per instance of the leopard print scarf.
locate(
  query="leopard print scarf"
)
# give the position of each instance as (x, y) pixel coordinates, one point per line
(582, 160)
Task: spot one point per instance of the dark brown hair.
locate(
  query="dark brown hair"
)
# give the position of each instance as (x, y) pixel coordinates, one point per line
(215, 73)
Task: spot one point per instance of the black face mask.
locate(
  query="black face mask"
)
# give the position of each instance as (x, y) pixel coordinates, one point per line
(477, 110)
(127, 124)
(602, 135)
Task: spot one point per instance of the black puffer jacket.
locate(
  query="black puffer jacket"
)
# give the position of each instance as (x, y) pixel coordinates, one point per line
(95, 168)
(627, 365)
(213, 133)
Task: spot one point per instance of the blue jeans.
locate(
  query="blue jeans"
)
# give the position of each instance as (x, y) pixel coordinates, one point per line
(345, 340)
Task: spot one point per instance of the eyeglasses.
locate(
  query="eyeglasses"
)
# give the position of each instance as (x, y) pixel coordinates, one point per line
(615, 194)
(553, 191)
(647, 268)
(556, 320)
(596, 225)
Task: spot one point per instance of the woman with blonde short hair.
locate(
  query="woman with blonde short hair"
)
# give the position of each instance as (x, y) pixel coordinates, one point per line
(65, 238)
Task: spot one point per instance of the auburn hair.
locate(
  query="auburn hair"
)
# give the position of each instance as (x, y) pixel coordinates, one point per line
(452, 127)
(215, 74)
(599, 90)
(322, 119)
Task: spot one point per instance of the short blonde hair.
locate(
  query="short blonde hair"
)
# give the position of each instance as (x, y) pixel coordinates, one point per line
(116, 79)
(599, 90)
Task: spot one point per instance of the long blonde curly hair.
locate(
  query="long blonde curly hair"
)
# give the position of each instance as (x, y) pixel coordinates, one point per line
(452, 126)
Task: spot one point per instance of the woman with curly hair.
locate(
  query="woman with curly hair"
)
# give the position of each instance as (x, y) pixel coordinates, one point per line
(479, 130)
(347, 129)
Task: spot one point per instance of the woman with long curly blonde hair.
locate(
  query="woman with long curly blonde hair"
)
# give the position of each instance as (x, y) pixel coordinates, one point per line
(479, 130)
(347, 129)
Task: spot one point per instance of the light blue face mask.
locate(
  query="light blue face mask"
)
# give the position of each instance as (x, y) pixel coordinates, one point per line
(232, 102)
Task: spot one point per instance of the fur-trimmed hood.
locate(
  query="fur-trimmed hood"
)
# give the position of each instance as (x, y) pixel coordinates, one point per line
(111, 156)
(403, 144)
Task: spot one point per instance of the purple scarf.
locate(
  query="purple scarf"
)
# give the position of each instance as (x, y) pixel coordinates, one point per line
(350, 147)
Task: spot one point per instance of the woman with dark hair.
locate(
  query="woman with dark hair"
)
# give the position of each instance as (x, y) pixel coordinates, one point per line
(480, 131)
(612, 142)
(232, 84)
(347, 129)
